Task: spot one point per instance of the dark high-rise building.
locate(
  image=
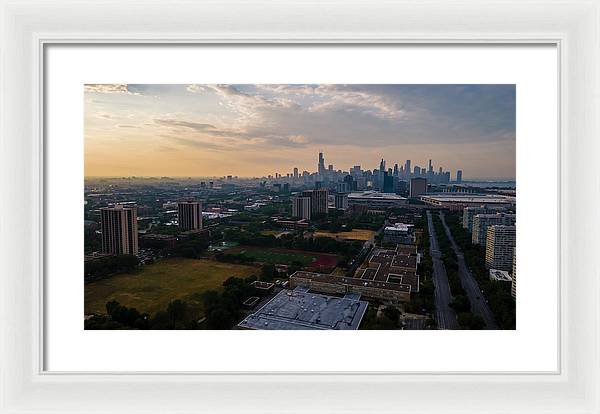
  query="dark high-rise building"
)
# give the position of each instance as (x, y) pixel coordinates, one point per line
(418, 186)
(318, 200)
(396, 172)
(388, 183)
(295, 172)
(190, 215)
(459, 176)
(119, 230)
(321, 167)
(407, 169)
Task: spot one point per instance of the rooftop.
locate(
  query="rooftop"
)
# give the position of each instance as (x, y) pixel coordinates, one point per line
(468, 198)
(326, 278)
(376, 195)
(299, 309)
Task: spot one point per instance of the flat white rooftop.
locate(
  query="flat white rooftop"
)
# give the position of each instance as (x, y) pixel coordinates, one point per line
(301, 309)
(376, 195)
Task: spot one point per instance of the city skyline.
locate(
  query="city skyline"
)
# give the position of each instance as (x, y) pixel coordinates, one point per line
(259, 130)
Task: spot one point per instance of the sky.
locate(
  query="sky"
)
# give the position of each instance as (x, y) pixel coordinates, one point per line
(257, 130)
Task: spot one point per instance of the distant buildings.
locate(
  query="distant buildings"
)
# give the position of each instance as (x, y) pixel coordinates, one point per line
(301, 208)
(119, 230)
(190, 215)
(458, 176)
(500, 246)
(418, 187)
(481, 222)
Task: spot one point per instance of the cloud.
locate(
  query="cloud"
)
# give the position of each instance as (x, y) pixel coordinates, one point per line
(120, 88)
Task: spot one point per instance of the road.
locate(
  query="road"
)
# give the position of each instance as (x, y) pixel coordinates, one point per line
(444, 314)
(479, 305)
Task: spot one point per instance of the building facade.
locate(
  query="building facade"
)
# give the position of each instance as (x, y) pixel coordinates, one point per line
(418, 186)
(469, 214)
(500, 247)
(119, 230)
(513, 286)
(190, 215)
(341, 201)
(318, 200)
(481, 222)
(301, 207)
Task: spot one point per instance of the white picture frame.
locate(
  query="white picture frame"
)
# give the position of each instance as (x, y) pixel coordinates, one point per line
(29, 26)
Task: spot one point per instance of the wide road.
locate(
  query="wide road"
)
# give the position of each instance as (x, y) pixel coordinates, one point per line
(479, 305)
(444, 314)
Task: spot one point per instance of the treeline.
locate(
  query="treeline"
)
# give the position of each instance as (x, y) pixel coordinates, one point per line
(222, 310)
(423, 302)
(498, 294)
(460, 301)
(106, 266)
(294, 242)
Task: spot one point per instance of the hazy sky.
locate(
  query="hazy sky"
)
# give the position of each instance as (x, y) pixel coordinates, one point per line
(256, 130)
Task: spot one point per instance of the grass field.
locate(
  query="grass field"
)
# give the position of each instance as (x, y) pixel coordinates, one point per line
(156, 285)
(354, 234)
(286, 257)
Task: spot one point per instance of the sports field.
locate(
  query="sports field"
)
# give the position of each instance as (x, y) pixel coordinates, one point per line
(157, 284)
(287, 257)
(354, 234)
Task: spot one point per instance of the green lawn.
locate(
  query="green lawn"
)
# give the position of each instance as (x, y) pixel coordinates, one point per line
(156, 285)
(279, 256)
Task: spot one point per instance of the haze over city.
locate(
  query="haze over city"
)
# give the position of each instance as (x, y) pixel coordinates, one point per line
(260, 130)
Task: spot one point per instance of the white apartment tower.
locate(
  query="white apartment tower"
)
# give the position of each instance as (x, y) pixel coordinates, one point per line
(500, 247)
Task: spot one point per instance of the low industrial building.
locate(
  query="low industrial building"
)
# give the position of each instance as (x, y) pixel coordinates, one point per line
(399, 233)
(375, 199)
(302, 309)
(397, 266)
(326, 283)
(458, 201)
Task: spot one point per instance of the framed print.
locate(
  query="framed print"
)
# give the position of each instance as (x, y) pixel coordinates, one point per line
(288, 201)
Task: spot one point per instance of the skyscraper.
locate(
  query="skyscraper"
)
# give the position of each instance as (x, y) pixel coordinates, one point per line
(301, 207)
(458, 176)
(407, 169)
(388, 183)
(295, 172)
(396, 170)
(321, 168)
(341, 201)
(190, 215)
(119, 230)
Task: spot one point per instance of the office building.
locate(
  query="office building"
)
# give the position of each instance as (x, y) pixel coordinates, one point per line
(513, 286)
(481, 222)
(119, 230)
(458, 176)
(418, 186)
(341, 201)
(190, 215)
(318, 200)
(500, 246)
(301, 207)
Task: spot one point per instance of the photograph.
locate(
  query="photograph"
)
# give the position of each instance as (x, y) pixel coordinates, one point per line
(299, 206)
